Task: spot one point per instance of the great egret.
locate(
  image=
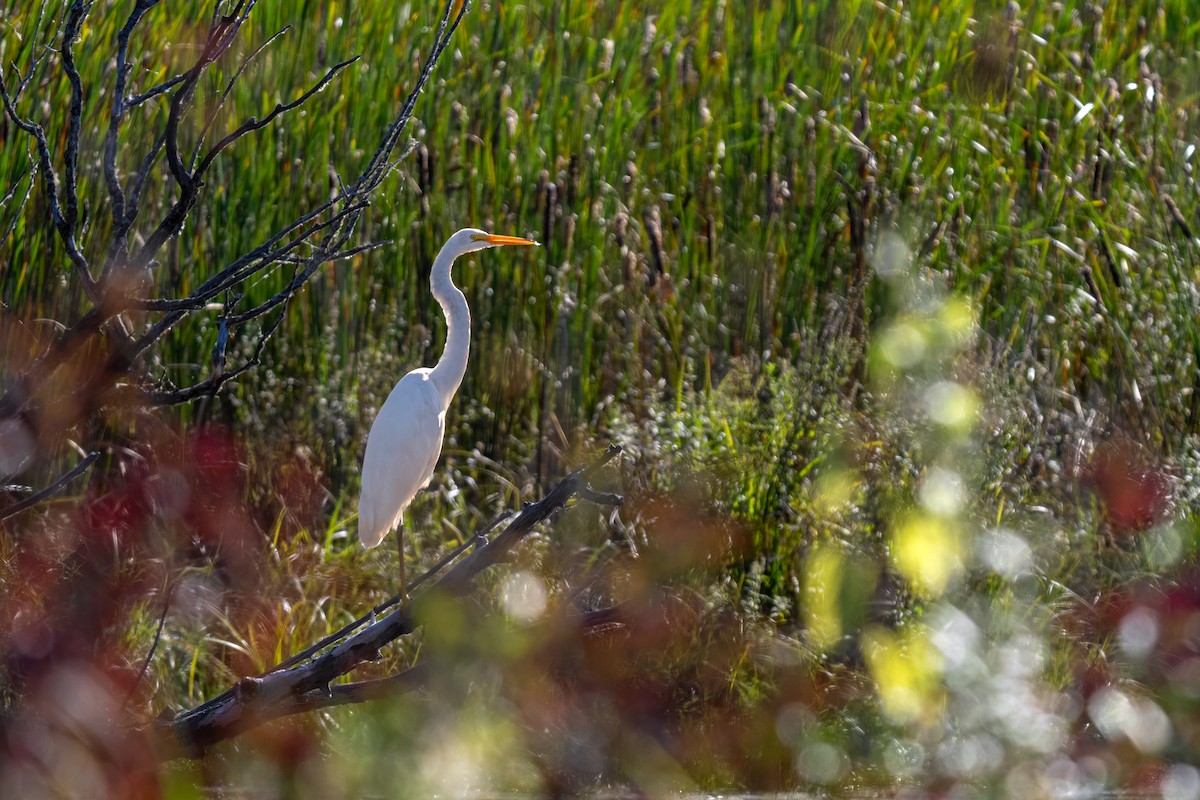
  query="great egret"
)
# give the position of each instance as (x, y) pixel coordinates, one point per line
(406, 438)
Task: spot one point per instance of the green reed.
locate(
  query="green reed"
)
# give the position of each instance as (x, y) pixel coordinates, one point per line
(733, 127)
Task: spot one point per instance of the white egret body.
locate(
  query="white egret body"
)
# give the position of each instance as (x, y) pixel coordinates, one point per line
(406, 437)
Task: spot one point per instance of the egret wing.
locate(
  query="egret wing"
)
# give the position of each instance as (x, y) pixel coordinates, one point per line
(402, 451)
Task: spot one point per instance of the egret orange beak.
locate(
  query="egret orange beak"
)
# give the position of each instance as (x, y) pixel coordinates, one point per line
(502, 240)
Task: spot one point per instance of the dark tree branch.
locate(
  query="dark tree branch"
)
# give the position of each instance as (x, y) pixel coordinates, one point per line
(223, 30)
(412, 678)
(219, 377)
(75, 17)
(254, 124)
(342, 256)
(37, 59)
(599, 498)
(45, 168)
(136, 100)
(133, 205)
(61, 483)
(221, 36)
(311, 264)
(162, 621)
(12, 226)
(415, 677)
(381, 164)
(116, 193)
(245, 266)
(316, 237)
(478, 539)
(216, 109)
(12, 190)
(255, 700)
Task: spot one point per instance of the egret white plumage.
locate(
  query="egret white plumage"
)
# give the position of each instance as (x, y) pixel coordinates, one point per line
(406, 437)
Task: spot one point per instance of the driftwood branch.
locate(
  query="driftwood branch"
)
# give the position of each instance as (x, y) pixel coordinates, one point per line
(415, 677)
(480, 537)
(309, 685)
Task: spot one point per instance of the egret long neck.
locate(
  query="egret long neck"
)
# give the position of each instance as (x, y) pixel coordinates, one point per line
(452, 366)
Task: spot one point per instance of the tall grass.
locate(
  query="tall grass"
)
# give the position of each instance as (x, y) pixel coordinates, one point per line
(710, 184)
(694, 173)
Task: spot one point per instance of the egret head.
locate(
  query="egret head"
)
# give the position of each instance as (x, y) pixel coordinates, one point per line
(468, 240)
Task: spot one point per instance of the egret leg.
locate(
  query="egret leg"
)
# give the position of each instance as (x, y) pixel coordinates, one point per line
(400, 552)
(474, 543)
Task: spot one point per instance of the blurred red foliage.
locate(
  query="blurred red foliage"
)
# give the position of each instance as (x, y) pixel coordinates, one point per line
(1134, 488)
(74, 578)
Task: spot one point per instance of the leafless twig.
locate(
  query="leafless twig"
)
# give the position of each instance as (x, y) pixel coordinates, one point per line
(54, 488)
(45, 168)
(162, 621)
(117, 112)
(415, 677)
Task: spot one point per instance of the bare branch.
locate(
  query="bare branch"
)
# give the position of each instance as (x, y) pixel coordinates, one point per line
(12, 226)
(298, 280)
(311, 264)
(248, 264)
(13, 190)
(45, 168)
(410, 679)
(380, 163)
(254, 124)
(75, 17)
(61, 483)
(37, 59)
(220, 36)
(343, 255)
(239, 16)
(117, 112)
(154, 91)
(415, 677)
(599, 498)
(162, 621)
(216, 109)
(220, 377)
(133, 203)
(480, 538)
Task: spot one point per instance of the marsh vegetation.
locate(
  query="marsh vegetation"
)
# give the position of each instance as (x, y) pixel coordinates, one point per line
(892, 307)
